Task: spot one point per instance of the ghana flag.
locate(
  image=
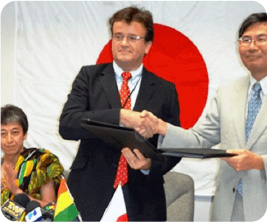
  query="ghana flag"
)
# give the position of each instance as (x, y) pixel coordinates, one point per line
(65, 209)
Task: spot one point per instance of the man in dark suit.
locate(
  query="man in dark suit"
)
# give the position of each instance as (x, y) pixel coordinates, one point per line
(95, 95)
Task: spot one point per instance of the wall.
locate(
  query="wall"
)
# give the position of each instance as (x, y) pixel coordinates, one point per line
(219, 52)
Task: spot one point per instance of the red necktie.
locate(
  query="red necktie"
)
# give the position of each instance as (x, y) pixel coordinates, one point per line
(122, 172)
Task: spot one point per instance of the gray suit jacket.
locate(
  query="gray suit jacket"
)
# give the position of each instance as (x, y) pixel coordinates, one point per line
(224, 123)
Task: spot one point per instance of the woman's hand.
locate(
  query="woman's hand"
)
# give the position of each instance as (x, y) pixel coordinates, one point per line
(9, 176)
(8, 180)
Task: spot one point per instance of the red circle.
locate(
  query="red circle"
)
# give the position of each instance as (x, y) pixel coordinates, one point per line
(175, 58)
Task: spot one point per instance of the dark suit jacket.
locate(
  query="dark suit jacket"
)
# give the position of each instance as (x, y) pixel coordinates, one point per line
(95, 95)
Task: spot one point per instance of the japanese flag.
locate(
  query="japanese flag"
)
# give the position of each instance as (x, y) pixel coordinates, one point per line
(116, 210)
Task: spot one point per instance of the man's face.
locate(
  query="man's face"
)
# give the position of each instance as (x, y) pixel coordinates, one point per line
(12, 138)
(127, 52)
(254, 55)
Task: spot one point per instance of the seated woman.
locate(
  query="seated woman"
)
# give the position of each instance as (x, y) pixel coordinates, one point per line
(35, 172)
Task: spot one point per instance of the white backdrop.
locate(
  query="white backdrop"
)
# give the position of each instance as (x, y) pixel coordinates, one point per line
(54, 39)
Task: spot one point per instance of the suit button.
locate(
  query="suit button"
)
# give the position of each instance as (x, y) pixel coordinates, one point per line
(233, 190)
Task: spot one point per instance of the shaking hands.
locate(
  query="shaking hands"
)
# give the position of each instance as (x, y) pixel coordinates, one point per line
(145, 123)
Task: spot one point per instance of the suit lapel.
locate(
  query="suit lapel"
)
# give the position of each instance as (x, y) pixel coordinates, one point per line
(259, 125)
(146, 90)
(239, 109)
(108, 81)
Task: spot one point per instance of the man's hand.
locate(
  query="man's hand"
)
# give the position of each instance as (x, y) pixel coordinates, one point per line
(245, 160)
(135, 120)
(136, 159)
(132, 119)
(145, 123)
(156, 125)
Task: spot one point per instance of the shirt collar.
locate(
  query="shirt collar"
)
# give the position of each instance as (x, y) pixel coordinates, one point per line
(263, 83)
(135, 73)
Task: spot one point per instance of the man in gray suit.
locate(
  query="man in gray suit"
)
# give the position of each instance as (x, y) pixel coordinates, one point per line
(237, 120)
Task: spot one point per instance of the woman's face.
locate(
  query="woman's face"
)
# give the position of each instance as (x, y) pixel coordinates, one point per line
(12, 138)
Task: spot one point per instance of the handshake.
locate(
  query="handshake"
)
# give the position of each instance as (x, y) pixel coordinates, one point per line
(145, 122)
(147, 125)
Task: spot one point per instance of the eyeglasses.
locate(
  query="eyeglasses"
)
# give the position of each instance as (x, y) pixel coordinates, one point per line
(130, 38)
(247, 40)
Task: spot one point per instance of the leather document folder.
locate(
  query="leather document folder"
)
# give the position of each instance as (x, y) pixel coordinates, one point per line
(202, 153)
(120, 137)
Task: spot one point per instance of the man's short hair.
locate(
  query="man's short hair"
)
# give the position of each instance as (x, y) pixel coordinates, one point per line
(252, 19)
(13, 114)
(135, 14)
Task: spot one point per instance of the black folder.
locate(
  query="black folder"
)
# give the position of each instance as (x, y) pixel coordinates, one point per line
(120, 137)
(202, 153)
